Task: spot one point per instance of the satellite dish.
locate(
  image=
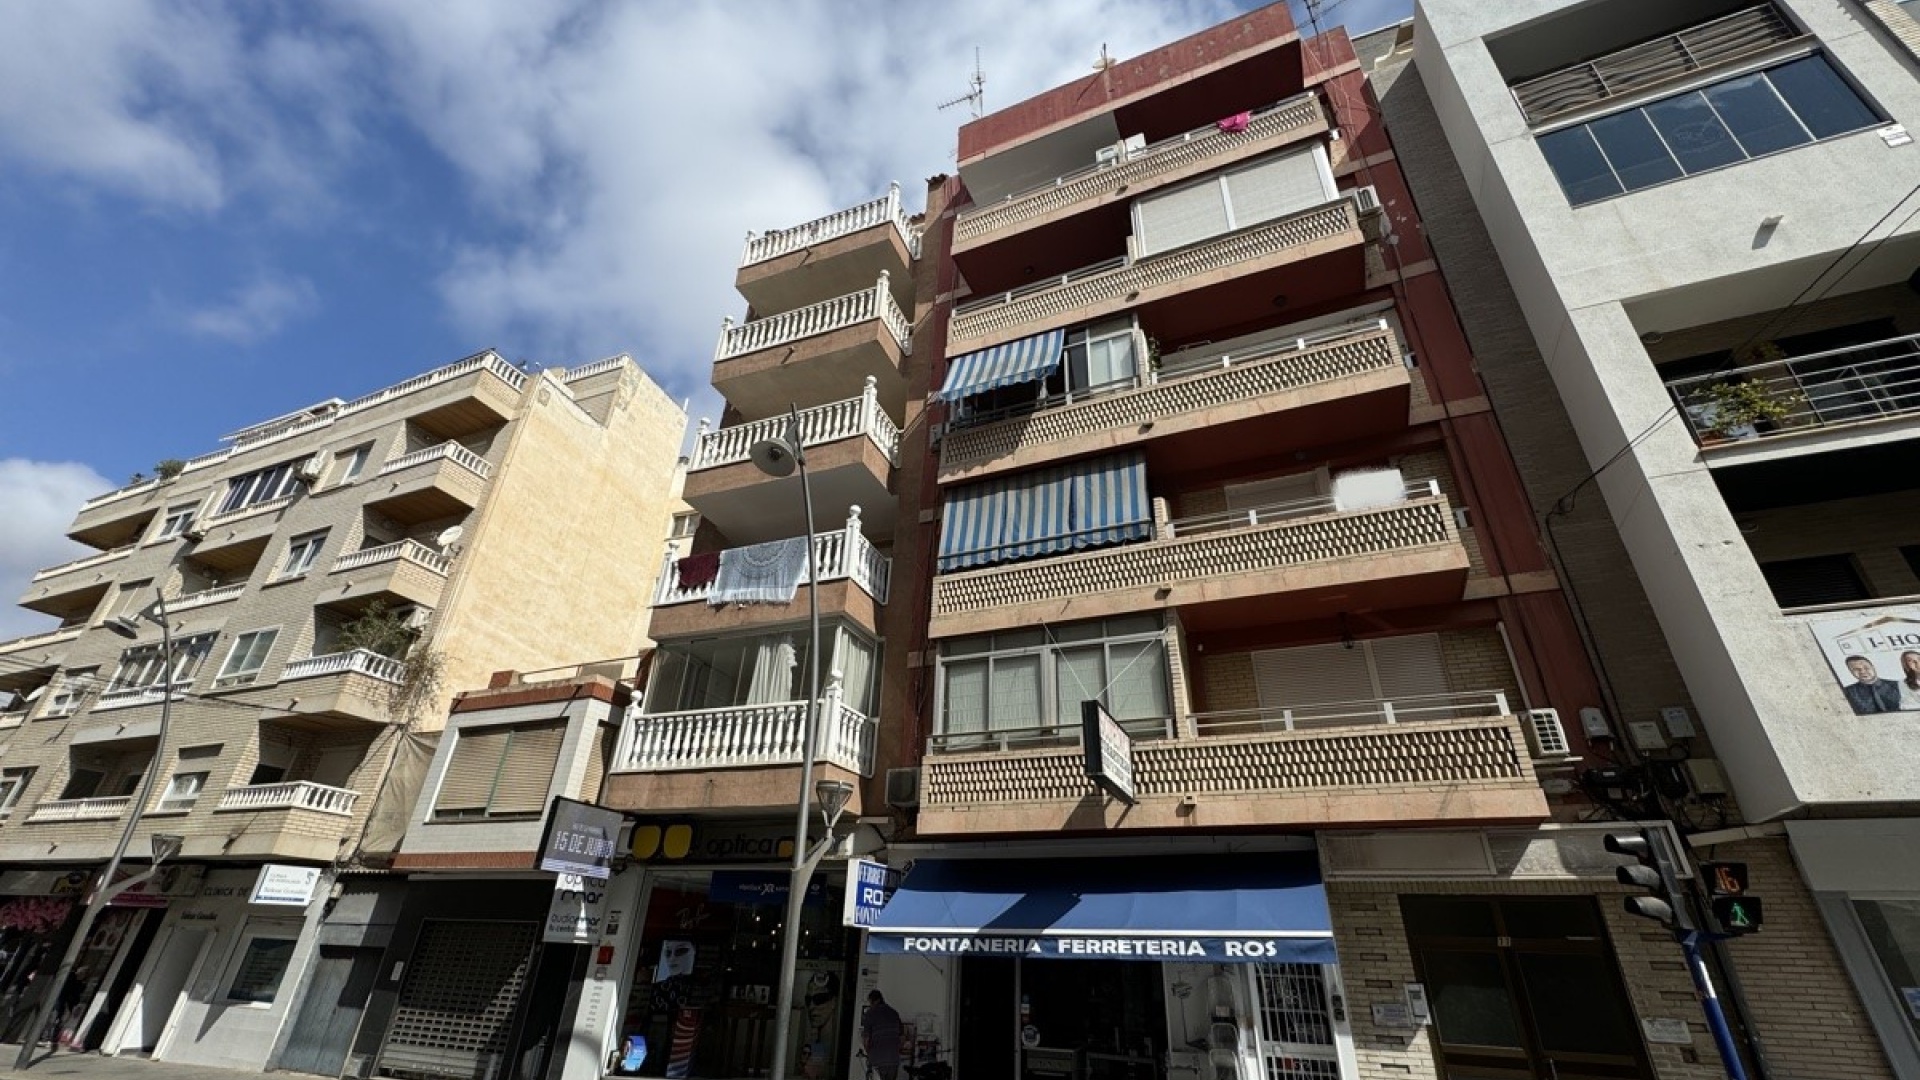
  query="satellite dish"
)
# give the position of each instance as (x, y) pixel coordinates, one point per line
(33, 695)
(449, 536)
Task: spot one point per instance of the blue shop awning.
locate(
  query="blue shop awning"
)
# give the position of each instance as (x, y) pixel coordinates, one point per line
(1025, 360)
(1250, 908)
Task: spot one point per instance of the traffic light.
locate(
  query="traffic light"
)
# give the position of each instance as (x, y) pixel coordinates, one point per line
(1734, 910)
(1656, 873)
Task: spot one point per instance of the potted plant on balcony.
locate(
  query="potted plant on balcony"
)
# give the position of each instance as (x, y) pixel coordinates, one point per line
(1727, 411)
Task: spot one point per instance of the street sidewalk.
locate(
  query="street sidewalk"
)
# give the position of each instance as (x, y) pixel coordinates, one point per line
(66, 1066)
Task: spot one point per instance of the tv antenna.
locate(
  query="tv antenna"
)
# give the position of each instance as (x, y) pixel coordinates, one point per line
(1106, 60)
(976, 95)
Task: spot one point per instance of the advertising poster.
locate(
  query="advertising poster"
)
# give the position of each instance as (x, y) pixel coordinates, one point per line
(1875, 657)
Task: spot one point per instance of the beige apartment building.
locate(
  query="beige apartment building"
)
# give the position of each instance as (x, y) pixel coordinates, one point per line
(330, 577)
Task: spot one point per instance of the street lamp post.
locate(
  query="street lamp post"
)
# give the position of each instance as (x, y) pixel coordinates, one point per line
(164, 846)
(777, 456)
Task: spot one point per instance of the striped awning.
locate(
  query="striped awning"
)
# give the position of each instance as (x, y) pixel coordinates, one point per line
(1025, 360)
(1046, 511)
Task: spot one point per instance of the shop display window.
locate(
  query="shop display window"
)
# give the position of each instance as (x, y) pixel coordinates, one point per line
(706, 971)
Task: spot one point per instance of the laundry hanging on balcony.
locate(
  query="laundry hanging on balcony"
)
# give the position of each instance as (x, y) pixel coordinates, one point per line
(1027, 360)
(1047, 511)
(762, 574)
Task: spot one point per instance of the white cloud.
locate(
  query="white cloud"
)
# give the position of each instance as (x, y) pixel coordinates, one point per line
(40, 499)
(255, 311)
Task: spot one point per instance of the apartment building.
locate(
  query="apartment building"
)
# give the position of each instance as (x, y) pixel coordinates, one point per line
(1706, 215)
(326, 579)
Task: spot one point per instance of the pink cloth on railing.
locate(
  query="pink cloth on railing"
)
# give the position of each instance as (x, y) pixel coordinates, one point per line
(698, 571)
(1236, 122)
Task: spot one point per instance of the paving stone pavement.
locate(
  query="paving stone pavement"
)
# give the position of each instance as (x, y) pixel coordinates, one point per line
(66, 1066)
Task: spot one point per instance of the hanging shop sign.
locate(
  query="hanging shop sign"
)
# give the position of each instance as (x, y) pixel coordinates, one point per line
(870, 885)
(285, 886)
(577, 912)
(580, 839)
(1109, 751)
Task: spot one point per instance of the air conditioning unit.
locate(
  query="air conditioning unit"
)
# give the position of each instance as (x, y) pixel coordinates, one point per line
(1132, 145)
(1366, 199)
(903, 788)
(1549, 739)
(1107, 155)
(309, 470)
(418, 617)
(195, 534)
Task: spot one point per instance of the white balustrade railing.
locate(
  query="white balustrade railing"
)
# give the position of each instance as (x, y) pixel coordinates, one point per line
(84, 562)
(451, 451)
(598, 367)
(815, 319)
(412, 551)
(45, 637)
(843, 553)
(821, 424)
(259, 509)
(293, 795)
(105, 809)
(753, 735)
(119, 493)
(127, 697)
(206, 598)
(778, 242)
(360, 661)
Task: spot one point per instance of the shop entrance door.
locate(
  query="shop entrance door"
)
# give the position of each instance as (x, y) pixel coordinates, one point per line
(1523, 989)
(1294, 1035)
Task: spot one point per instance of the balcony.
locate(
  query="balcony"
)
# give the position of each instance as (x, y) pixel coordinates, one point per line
(830, 256)
(851, 449)
(763, 365)
(71, 590)
(460, 399)
(853, 577)
(1337, 385)
(1115, 184)
(206, 598)
(1446, 758)
(1228, 570)
(737, 759)
(357, 685)
(406, 572)
(1848, 398)
(118, 517)
(233, 542)
(439, 482)
(1305, 259)
(30, 662)
(103, 809)
(296, 795)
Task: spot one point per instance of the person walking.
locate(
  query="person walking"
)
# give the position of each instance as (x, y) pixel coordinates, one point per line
(880, 1038)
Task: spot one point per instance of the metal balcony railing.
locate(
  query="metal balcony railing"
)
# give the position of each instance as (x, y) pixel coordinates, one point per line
(1854, 385)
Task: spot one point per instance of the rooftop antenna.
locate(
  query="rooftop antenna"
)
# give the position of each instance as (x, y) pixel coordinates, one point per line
(1106, 60)
(976, 95)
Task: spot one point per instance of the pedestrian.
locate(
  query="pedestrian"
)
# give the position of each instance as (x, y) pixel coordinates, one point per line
(880, 1038)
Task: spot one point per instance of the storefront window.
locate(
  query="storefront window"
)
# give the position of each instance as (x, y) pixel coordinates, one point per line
(262, 965)
(1893, 928)
(706, 973)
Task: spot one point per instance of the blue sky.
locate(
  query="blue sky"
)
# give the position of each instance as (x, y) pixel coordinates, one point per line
(212, 213)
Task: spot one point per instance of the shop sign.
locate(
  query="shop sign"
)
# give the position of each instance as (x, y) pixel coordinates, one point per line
(870, 885)
(1109, 751)
(760, 887)
(580, 839)
(677, 840)
(1239, 950)
(285, 886)
(179, 879)
(171, 881)
(578, 909)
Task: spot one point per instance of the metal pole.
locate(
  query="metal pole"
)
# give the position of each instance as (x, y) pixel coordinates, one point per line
(98, 896)
(1710, 1003)
(802, 863)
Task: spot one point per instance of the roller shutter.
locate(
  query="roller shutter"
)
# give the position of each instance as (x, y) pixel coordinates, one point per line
(456, 1008)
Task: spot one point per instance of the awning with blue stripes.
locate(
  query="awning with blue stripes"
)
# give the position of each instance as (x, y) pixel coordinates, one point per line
(1046, 511)
(1025, 360)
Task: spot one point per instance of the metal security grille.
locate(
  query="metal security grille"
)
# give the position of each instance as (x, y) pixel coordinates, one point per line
(1296, 1025)
(457, 1005)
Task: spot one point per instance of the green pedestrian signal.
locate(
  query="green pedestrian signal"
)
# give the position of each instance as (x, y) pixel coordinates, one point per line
(1738, 914)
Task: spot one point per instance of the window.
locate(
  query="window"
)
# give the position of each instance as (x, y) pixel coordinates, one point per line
(182, 791)
(499, 772)
(144, 665)
(176, 522)
(1340, 682)
(1724, 122)
(1267, 189)
(763, 669)
(1099, 357)
(245, 659)
(1035, 680)
(276, 760)
(1822, 579)
(1892, 927)
(685, 524)
(13, 783)
(69, 690)
(262, 965)
(349, 464)
(83, 783)
(130, 599)
(301, 552)
(261, 486)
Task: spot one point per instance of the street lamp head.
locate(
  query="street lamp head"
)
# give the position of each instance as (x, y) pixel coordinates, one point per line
(125, 625)
(832, 795)
(165, 846)
(774, 457)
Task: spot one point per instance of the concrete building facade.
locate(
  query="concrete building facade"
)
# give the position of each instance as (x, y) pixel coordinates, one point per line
(329, 577)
